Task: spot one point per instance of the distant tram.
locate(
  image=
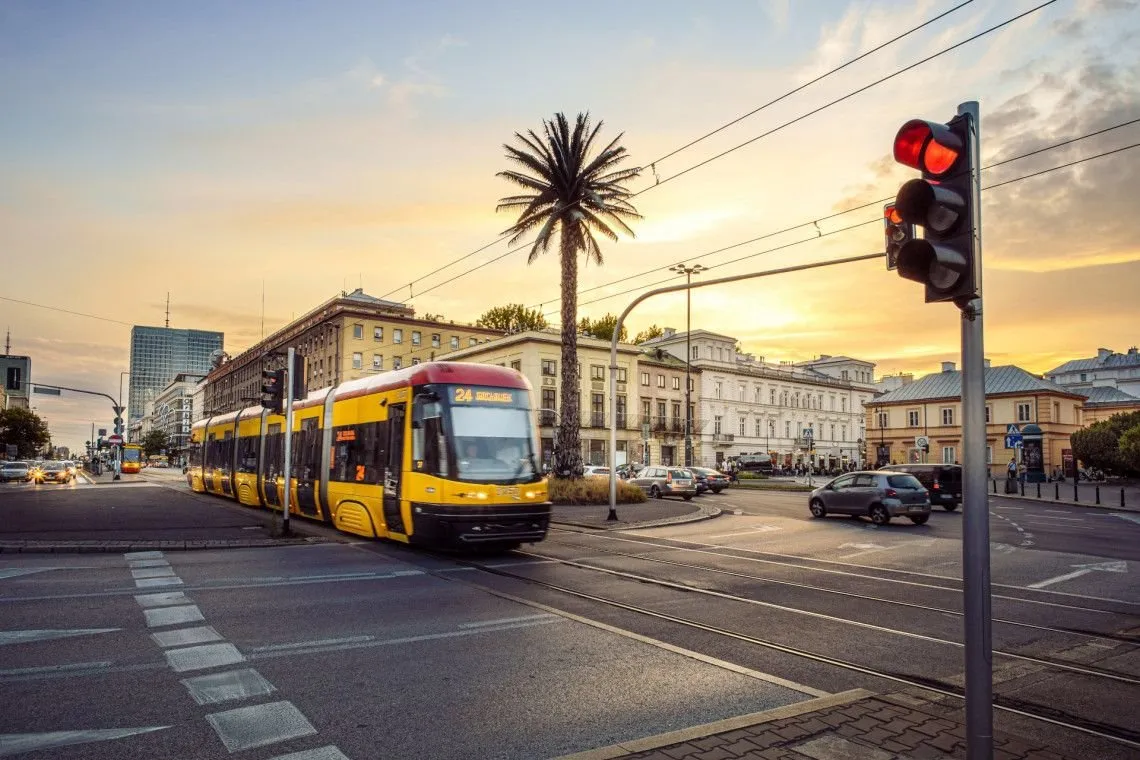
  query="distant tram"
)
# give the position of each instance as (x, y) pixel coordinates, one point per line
(132, 458)
(441, 454)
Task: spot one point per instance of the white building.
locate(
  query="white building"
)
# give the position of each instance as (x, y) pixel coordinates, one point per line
(173, 410)
(1106, 369)
(797, 412)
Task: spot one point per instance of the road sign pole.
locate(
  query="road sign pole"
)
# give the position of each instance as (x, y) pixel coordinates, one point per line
(288, 469)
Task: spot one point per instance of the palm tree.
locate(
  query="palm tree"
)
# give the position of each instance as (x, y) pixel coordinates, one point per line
(573, 194)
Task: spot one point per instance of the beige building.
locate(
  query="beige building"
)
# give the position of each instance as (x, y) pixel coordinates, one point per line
(932, 408)
(1104, 401)
(661, 407)
(538, 355)
(344, 338)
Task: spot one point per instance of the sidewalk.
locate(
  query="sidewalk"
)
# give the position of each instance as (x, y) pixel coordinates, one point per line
(651, 513)
(1126, 498)
(851, 725)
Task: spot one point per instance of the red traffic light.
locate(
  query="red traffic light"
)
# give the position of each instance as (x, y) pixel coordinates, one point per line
(928, 147)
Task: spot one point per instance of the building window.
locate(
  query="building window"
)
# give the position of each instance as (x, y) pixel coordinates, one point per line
(947, 415)
(676, 383)
(472, 341)
(759, 428)
(1056, 411)
(516, 365)
(883, 419)
(833, 431)
(717, 389)
(396, 363)
(397, 335)
(645, 379)
(677, 424)
(435, 340)
(740, 427)
(597, 409)
(843, 403)
(454, 342)
(743, 390)
(357, 360)
(716, 424)
(772, 396)
(844, 431)
(696, 352)
(377, 361)
(549, 367)
(358, 331)
(989, 454)
(597, 372)
(415, 361)
(378, 334)
(645, 411)
(948, 455)
(912, 418)
(844, 375)
(621, 376)
(1023, 413)
(549, 407)
(989, 413)
(787, 429)
(660, 381)
(1084, 377)
(416, 337)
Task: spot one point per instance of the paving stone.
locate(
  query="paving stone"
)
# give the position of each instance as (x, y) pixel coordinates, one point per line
(741, 746)
(680, 751)
(716, 753)
(865, 724)
(814, 725)
(934, 727)
(897, 726)
(791, 732)
(944, 742)
(708, 742)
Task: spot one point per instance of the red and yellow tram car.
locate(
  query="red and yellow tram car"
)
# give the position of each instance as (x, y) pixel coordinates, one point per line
(438, 454)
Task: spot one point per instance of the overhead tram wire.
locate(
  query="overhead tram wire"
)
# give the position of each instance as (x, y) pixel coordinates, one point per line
(876, 220)
(66, 311)
(815, 222)
(707, 135)
(814, 111)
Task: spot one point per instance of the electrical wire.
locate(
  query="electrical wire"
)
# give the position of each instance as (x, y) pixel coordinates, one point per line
(705, 136)
(66, 311)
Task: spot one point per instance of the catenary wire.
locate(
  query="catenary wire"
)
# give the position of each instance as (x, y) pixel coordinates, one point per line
(707, 135)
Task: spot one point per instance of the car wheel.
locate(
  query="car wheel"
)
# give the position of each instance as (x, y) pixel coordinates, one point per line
(949, 507)
(880, 515)
(717, 490)
(655, 492)
(919, 519)
(687, 497)
(817, 508)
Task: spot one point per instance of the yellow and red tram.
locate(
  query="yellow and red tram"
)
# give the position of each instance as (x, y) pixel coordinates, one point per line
(439, 454)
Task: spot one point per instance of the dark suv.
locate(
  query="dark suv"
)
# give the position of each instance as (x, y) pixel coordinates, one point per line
(943, 481)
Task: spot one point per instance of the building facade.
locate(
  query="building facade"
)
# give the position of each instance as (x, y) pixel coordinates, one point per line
(1104, 401)
(173, 412)
(537, 355)
(345, 338)
(16, 372)
(1106, 369)
(160, 353)
(661, 407)
(932, 408)
(799, 413)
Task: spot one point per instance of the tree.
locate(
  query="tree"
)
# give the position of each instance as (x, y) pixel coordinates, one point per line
(24, 429)
(649, 333)
(512, 318)
(602, 328)
(154, 442)
(1112, 445)
(574, 192)
(1130, 450)
(1095, 446)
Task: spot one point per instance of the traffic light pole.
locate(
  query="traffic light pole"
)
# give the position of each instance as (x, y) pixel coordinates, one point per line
(975, 513)
(288, 468)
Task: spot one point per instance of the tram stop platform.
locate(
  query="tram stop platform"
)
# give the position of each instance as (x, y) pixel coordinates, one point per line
(649, 514)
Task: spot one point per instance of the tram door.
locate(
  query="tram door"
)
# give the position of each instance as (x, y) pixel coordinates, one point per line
(273, 464)
(308, 466)
(393, 468)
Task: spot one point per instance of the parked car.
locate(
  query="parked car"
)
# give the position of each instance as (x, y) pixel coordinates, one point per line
(71, 468)
(943, 481)
(593, 470)
(628, 470)
(709, 479)
(880, 495)
(19, 471)
(659, 482)
(53, 472)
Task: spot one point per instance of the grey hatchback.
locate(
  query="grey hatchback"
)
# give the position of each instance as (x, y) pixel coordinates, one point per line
(880, 495)
(666, 481)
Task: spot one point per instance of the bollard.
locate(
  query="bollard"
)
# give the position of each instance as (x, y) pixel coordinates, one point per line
(1122, 497)
(1022, 486)
(1056, 492)
(1039, 489)
(1076, 498)
(1098, 494)
(995, 485)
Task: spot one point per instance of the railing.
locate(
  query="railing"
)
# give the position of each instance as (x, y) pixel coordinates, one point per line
(723, 437)
(597, 419)
(547, 418)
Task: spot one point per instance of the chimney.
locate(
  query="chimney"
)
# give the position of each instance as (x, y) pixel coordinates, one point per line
(1132, 351)
(669, 332)
(947, 366)
(1103, 353)
(986, 363)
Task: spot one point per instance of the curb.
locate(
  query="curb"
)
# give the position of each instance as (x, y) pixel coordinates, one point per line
(117, 547)
(702, 513)
(649, 743)
(1068, 503)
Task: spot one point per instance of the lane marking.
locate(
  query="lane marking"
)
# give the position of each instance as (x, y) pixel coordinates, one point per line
(328, 752)
(26, 637)
(505, 621)
(1118, 566)
(1060, 578)
(142, 555)
(181, 637)
(761, 529)
(15, 744)
(153, 572)
(248, 727)
(230, 685)
(313, 643)
(204, 656)
(1131, 518)
(56, 668)
(157, 582)
(1047, 517)
(16, 572)
(138, 563)
(162, 600)
(160, 616)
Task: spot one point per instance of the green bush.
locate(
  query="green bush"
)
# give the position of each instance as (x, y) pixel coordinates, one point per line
(592, 490)
(749, 475)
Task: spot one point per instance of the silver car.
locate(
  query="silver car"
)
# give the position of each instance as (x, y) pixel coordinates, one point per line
(660, 481)
(880, 495)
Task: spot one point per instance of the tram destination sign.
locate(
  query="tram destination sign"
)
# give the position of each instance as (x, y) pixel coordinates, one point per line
(466, 394)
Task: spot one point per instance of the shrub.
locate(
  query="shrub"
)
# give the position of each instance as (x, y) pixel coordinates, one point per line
(749, 475)
(592, 490)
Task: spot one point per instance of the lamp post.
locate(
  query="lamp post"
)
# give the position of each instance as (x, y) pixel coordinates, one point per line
(688, 271)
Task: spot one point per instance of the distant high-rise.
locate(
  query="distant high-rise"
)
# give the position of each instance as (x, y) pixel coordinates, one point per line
(160, 353)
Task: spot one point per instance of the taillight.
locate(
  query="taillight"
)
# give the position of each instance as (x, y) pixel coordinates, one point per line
(936, 486)
(668, 477)
(892, 492)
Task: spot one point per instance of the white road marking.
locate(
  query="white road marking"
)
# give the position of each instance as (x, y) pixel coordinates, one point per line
(313, 643)
(181, 637)
(760, 529)
(1060, 578)
(1047, 517)
(142, 555)
(188, 613)
(162, 600)
(56, 668)
(16, 744)
(505, 621)
(153, 572)
(16, 572)
(157, 582)
(328, 752)
(1119, 566)
(25, 637)
(248, 727)
(205, 656)
(1005, 507)
(137, 563)
(1131, 518)
(1058, 511)
(230, 685)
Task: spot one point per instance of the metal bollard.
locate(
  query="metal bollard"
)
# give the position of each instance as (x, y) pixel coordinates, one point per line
(1023, 487)
(1056, 492)
(1039, 489)
(1098, 494)
(1122, 497)
(995, 485)
(1076, 498)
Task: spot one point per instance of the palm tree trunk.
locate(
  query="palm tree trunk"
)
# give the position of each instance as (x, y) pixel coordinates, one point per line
(568, 445)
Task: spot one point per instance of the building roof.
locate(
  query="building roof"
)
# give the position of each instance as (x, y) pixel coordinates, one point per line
(1110, 361)
(947, 385)
(1106, 395)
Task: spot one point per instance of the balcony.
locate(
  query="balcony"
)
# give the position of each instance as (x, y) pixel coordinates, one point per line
(547, 418)
(722, 439)
(597, 419)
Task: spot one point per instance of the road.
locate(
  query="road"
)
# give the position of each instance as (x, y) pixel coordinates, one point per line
(587, 639)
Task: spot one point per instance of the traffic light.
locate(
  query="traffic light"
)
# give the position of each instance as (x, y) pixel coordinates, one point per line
(272, 390)
(943, 204)
(897, 232)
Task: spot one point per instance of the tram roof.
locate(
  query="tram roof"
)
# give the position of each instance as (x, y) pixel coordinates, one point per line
(453, 373)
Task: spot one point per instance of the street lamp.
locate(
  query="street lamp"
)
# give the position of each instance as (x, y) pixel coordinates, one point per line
(688, 272)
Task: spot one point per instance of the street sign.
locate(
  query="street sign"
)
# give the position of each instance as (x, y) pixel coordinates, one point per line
(1012, 430)
(1013, 441)
(45, 391)
(115, 440)
(921, 442)
(102, 432)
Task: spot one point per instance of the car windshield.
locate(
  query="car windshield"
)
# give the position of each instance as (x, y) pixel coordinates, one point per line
(15, 466)
(53, 467)
(684, 474)
(904, 481)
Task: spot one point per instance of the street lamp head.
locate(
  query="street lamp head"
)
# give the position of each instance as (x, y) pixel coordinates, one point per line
(688, 270)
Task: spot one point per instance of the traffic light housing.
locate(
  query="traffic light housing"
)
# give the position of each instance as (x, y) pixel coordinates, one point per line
(273, 390)
(897, 233)
(943, 203)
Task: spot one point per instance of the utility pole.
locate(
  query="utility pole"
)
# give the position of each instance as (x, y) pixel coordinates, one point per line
(288, 439)
(688, 272)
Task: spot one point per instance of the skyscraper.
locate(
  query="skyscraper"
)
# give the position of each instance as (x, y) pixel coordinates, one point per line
(160, 353)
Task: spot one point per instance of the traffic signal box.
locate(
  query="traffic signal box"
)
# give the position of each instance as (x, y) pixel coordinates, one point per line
(273, 390)
(943, 204)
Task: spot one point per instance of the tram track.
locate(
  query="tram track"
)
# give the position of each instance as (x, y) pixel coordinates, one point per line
(1002, 702)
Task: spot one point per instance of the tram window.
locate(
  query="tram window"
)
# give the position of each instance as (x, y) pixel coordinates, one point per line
(226, 452)
(211, 451)
(357, 451)
(196, 454)
(247, 453)
(274, 451)
(428, 443)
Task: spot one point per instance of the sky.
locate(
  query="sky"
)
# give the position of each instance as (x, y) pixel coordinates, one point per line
(210, 149)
